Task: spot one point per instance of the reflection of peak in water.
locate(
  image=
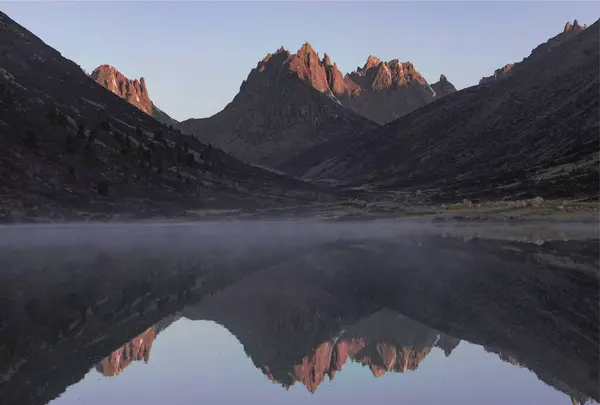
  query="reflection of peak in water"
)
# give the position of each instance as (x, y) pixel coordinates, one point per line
(69, 313)
(137, 349)
(384, 341)
(329, 358)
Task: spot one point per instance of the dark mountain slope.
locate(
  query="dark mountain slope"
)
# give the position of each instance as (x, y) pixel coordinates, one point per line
(284, 107)
(70, 146)
(536, 132)
(569, 31)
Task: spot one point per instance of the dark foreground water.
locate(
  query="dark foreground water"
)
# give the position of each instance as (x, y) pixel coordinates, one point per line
(295, 313)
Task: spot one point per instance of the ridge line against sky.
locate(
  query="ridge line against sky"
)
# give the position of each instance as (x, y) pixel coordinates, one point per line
(195, 55)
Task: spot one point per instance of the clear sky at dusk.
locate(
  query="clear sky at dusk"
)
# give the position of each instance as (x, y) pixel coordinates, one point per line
(194, 55)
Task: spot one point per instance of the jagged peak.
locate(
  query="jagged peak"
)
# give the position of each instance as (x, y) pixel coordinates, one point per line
(306, 49)
(269, 56)
(372, 61)
(443, 78)
(574, 26)
(326, 60)
(134, 91)
(110, 69)
(568, 26)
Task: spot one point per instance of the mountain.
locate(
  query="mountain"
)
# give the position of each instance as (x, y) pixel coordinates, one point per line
(71, 148)
(385, 91)
(134, 91)
(534, 133)
(292, 102)
(570, 30)
(284, 107)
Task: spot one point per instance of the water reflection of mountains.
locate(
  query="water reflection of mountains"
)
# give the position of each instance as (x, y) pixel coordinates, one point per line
(302, 311)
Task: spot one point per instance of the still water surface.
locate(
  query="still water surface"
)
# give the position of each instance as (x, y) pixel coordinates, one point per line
(192, 360)
(339, 313)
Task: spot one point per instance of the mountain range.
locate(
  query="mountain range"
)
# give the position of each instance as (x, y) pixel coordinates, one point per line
(533, 133)
(293, 102)
(71, 148)
(298, 131)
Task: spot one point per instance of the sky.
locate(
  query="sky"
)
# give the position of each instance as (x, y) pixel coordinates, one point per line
(195, 55)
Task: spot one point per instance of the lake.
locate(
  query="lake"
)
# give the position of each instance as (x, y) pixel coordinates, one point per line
(281, 312)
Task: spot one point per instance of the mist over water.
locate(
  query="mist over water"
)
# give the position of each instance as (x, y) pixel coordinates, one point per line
(299, 311)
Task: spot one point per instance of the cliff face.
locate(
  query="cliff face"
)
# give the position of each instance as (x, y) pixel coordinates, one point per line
(134, 91)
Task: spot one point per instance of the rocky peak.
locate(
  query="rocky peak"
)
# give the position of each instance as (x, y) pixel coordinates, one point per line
(384, 91)
(443, 87)
(320, 74)
(134, 91)
(306, 49)
(568, 26)
(574, 26)
(377, 75)
(372, 61)
(309, 67)
(380, 91)
(382, 78)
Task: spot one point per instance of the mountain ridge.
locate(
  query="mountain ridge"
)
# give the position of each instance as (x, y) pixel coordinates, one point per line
(385, 91)
(273, 118)
(569, 31)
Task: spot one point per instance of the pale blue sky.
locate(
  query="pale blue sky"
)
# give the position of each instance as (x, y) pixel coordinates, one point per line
(194, 55)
